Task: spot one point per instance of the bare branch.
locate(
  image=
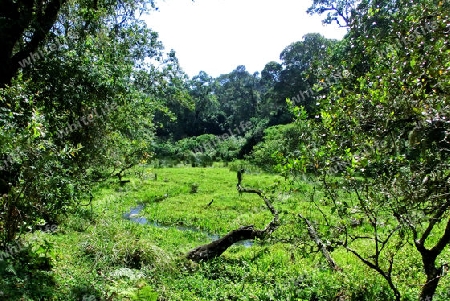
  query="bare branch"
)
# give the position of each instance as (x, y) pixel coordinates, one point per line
(217, 247)
(315, 237)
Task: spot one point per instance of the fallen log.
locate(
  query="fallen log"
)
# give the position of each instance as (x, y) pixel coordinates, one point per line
(216, 248)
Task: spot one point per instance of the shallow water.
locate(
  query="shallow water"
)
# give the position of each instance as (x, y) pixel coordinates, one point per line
(133, 215)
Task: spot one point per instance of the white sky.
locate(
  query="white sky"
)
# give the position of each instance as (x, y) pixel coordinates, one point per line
(218, 35)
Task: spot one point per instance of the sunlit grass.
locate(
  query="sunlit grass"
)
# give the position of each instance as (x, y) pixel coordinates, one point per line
(99, 253)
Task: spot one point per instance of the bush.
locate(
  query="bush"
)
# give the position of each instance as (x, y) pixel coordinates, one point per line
(279, 141)
(202, 150)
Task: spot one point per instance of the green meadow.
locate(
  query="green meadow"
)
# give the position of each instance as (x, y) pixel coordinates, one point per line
(99, 254)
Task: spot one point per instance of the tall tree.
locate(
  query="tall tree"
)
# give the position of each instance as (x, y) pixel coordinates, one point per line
(273, 100)
(340, 11)
(300, 72)
(238, 96)
(206, 116)
(385, 126)
(27, 25)
(24, 26)
(76, 111)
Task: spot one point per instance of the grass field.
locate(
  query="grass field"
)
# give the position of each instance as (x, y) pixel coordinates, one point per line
(97, 254)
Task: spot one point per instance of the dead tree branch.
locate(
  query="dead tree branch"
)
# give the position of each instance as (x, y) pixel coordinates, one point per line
(217, 247)
(315, 237)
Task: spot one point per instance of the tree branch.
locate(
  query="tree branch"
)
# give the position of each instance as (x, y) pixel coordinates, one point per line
(217, 247)
(315, 237)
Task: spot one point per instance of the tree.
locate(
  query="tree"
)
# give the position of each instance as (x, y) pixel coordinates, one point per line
(172, 91)
(206, 115)
(238, 96)
(273, 99)
(23, 27)
(339, 11)
(216, 248)
(78, 112)
(383, 136)
(299, 72)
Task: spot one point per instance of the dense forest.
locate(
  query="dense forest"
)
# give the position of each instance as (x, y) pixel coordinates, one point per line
(325, 176)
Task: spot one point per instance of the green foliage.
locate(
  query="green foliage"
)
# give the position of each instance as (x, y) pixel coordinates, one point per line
(113, 258)
(385, 126)
(337, 11)
(229, 149)
(202, 150)
(146, 294)
(286, 149)
(26, 273)
(373, 128)
(33, 159)
(82, 113)
(278, 141)
(237, 95)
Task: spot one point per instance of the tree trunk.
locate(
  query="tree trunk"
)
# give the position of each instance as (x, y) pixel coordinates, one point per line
(429, 257)
(430, 286)
(433, 275)
(16, 18)
(216, 248)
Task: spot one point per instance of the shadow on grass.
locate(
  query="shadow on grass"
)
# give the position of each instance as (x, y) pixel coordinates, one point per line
(25, 278)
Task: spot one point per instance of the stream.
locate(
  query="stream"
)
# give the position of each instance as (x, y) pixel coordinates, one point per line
(133, 215)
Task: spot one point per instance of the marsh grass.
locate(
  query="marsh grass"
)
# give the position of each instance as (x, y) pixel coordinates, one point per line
(98, 254)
